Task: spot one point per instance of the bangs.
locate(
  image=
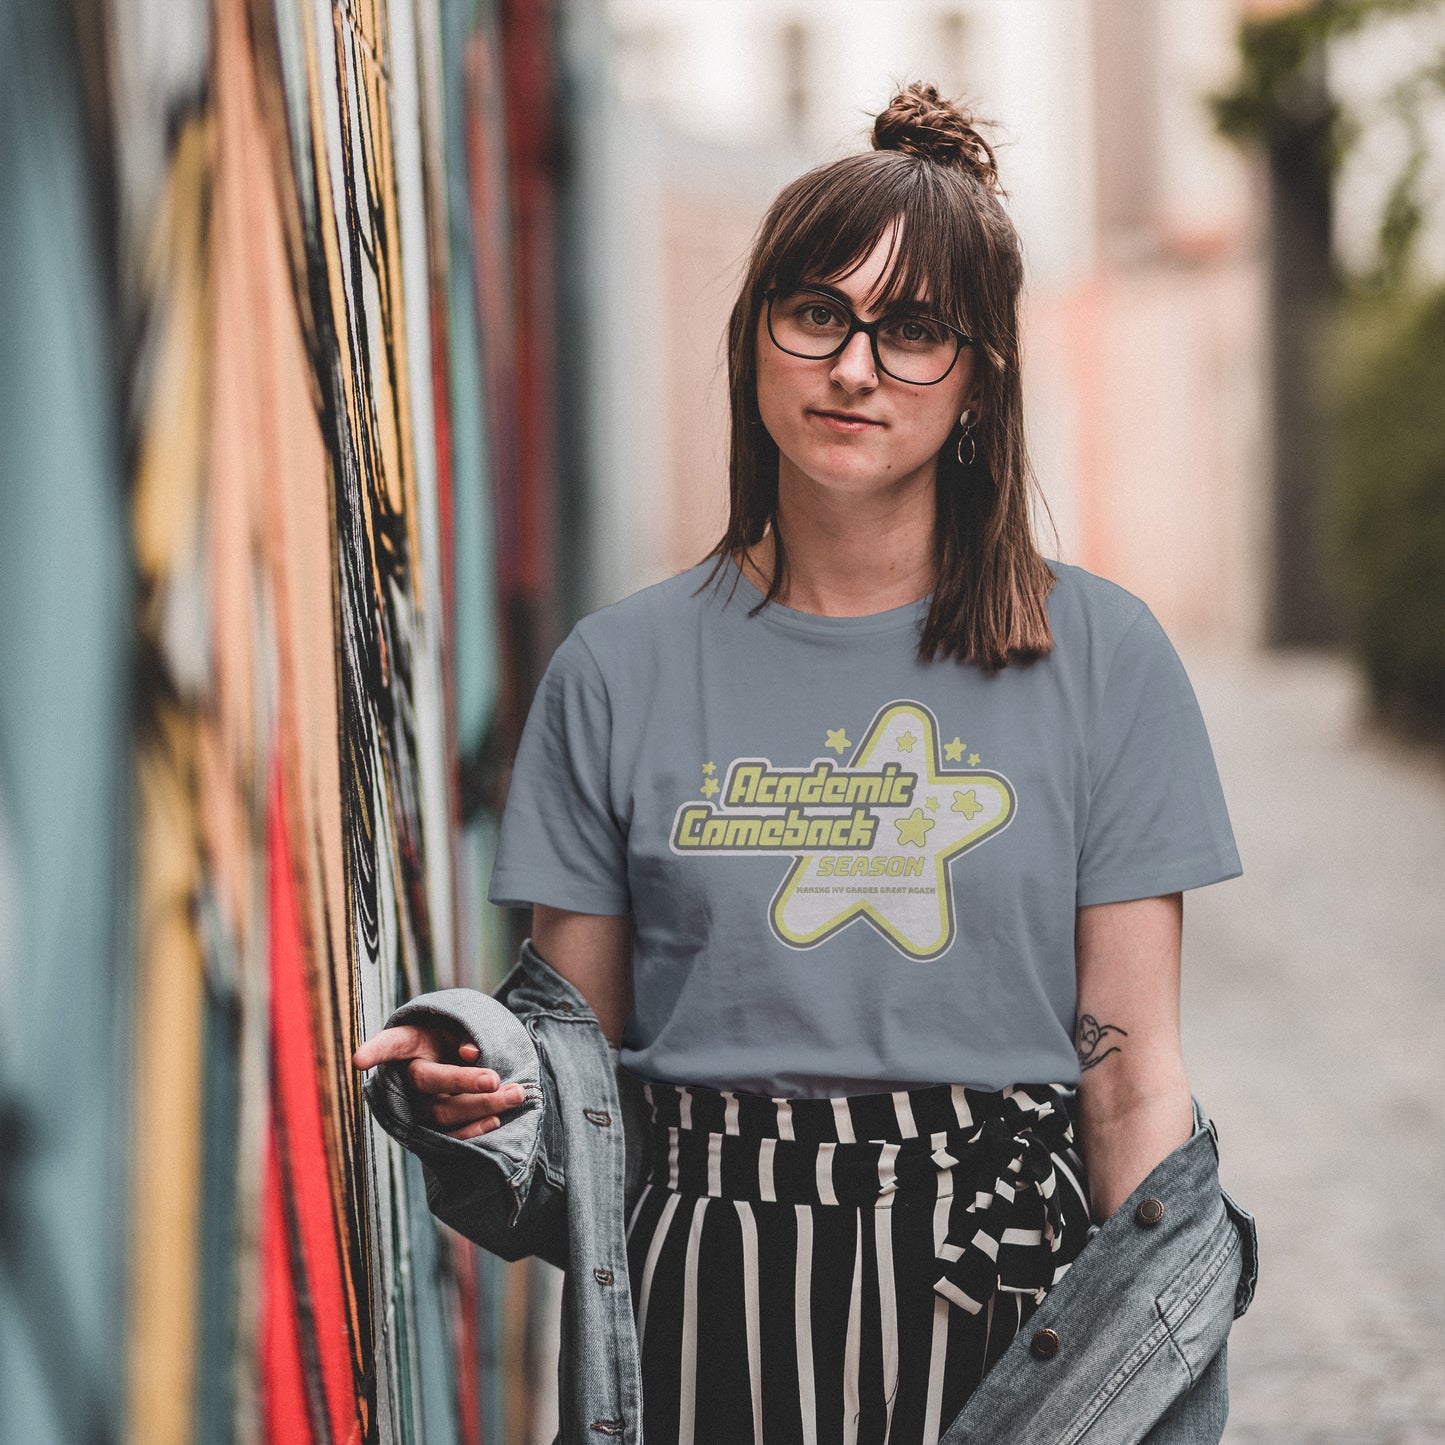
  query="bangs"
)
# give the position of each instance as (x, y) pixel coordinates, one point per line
(830, 232)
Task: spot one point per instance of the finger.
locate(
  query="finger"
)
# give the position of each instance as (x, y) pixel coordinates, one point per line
(471, 1131)
(469, 1053)
(434, 1078)
(457, 1109)
(401, 1041)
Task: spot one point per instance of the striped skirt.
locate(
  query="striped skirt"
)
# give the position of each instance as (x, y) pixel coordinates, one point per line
(836, 1270)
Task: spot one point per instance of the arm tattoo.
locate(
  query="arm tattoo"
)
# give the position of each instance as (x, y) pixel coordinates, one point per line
(1091, 1035)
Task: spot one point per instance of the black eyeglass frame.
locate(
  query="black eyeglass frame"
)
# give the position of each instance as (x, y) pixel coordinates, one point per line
(868, 328)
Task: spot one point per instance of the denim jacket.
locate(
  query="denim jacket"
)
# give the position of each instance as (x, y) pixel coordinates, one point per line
(1128, 1346)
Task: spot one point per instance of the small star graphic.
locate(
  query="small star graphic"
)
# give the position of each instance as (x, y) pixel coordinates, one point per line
(709, 787)
(973, 760)
(914, 828)
(709, 768)
(953, 751)
(838, 740)
(931, 804)
(905, 742)
(966, 803)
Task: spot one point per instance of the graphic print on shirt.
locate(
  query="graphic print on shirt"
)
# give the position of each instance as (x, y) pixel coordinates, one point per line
(870, 838)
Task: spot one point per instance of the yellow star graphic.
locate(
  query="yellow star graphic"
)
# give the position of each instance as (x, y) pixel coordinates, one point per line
(709, 768)
(838, 740)
(914, 828)
(966, 802)
(913, 909)
(709, 787)
(953, 751)
(931, 804)
(973, 760)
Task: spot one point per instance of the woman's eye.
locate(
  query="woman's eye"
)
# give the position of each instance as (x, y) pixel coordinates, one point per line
(912, 331)
(817, 314)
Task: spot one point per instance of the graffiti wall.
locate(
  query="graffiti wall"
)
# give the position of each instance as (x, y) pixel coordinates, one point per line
(331, 376)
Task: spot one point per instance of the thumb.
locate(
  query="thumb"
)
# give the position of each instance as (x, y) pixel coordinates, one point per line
(401, 1041)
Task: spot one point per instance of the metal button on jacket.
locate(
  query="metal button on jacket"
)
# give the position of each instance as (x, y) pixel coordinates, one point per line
(1150, 1211)
(1045, 1344)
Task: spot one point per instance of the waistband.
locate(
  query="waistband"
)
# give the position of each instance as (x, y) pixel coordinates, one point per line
(993, 1163)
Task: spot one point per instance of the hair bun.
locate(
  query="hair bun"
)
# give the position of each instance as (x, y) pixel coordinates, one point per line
(919, 122)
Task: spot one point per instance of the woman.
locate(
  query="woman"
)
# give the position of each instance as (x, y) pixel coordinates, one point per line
(865, 841)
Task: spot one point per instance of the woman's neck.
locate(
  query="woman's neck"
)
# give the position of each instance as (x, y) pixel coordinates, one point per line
(847, 565)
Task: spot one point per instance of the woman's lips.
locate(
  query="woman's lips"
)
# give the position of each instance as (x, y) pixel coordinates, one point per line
(840, 422)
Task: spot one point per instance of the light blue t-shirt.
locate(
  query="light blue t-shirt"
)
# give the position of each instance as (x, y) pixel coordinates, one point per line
(850, 870)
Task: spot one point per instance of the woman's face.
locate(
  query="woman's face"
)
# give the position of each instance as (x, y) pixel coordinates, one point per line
(843, 425)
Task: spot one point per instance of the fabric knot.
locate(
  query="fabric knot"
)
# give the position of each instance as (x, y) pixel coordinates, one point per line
(1005, 1223)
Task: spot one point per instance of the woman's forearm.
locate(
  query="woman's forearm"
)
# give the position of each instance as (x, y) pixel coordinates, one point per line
(1134, 1103)
(1125, 1131)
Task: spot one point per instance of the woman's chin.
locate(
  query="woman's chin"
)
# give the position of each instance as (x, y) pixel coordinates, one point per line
(853, 476)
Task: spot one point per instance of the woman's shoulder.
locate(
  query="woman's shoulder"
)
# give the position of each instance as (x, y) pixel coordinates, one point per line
(1109, 633)
(1087, 592)
(1085, 606)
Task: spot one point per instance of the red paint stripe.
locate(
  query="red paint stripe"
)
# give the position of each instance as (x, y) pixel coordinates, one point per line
(283, 1388)
(305, 1174)
(530, 111)
(465, 1340)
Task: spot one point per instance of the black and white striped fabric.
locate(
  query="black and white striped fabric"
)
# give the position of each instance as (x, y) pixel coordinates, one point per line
(842, 1271)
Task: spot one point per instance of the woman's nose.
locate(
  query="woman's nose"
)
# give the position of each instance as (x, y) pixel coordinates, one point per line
(853, 366)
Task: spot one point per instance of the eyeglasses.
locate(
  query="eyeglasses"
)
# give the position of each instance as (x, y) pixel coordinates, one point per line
(815, 324)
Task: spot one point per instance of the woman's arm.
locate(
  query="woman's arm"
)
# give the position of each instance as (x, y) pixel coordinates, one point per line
(593, 951)
(1134, 1103)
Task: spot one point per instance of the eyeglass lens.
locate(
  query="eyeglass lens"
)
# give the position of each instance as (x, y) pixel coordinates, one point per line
(813, 325)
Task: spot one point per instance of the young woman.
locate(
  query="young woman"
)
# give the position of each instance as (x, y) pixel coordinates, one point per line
(865, 840)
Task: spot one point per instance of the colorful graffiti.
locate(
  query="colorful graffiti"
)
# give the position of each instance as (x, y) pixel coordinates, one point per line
(331, 223)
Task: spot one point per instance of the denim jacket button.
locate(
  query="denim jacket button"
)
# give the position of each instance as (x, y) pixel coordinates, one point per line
(1150, 1211)
(600, 1117)
(602, 1276)
(1045, 1344)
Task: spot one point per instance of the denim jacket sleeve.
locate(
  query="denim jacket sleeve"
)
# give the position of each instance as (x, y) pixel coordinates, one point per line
(1137, 1326)
(504, 1189)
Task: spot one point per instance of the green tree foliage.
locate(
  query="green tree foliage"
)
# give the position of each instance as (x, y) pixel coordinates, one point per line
(1388, 497)
(1385, 362)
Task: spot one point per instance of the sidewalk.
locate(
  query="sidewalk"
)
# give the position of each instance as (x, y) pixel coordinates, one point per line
(1314, 1030)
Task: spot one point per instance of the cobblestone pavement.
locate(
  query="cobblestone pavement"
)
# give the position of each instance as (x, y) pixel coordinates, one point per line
(1314, 1028)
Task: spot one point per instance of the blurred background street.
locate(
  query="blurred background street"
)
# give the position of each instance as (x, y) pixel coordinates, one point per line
(1314, 1007)
(351, 349)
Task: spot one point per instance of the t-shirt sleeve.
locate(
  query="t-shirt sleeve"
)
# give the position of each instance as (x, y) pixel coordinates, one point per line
(561, 841)
(1157, 821)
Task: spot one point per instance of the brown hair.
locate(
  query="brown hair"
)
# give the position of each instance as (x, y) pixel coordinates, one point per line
(932, 168)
